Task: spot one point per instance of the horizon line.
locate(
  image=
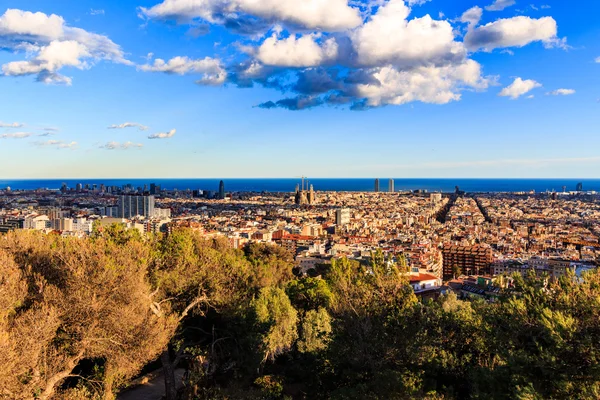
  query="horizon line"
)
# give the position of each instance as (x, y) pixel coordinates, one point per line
(294, 178)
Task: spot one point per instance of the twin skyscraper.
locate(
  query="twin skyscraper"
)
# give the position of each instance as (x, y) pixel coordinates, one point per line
(391, 188)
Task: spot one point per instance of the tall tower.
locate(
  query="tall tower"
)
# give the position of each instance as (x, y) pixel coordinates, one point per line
(391, 186)
(376, 185)
(580, 187)
(221, 190)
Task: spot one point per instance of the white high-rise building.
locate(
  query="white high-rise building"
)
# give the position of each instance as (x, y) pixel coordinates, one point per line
(342, 216)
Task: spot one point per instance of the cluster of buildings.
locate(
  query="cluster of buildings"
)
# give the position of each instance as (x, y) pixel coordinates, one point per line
(442, 239)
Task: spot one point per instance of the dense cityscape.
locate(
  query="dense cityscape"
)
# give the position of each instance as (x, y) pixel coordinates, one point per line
(157, 241)
(451, 241)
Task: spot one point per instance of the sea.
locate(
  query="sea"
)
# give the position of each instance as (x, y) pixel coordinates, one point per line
(323, 184)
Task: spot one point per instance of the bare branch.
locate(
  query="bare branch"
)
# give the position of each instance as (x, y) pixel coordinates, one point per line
(193, 304)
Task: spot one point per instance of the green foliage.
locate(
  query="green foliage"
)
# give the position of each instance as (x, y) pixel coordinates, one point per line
(113, 302)
(316, 331)
(115, 233)
(310, 293)
(272, 265)
(276, 320)
(270, 386)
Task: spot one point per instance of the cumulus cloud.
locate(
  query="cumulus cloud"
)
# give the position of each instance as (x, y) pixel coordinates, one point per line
(390, 38)
(53, 44)
(11, 125)
(385, 56)
(518, 88)
(513, 32)
(436, 85)
(163, 135)
(251, 16)
(121, 146)
(129, 125)
(16, 135)
(211, 69)
(561, 92)
(500, 5)
(472, 16)
(302, 51)
(57, 144)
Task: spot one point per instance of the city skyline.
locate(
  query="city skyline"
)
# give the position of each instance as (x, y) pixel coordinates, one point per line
(234, 89)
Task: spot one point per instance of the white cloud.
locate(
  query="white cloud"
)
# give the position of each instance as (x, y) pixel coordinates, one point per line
(561, 92)
(11, 125)
(57, 144)
(513, 32)
(50, 59)
(417, 2)
(249, 16)
(129, 125)
(16, 135)
(472, 16)
(163, 135)
(211, 69)
(388, 37)
(500, 5)
(388, 58)
(96, 12)
(597, 60)
(437, 85)
(302, 51)
(53, 44)
(25, 23)
(122, 146)
(518, 88)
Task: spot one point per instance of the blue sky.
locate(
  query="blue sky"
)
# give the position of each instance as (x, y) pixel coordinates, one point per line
(402, 96)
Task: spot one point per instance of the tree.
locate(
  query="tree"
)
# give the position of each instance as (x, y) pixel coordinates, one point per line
(190, 275)
(310, 293)
(84, 301)
(272, 265)
(276, 321)
(315, 331)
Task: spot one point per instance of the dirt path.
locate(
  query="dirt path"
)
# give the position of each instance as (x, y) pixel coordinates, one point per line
(153, 390)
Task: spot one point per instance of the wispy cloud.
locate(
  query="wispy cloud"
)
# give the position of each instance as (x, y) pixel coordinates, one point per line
(163, 135)
(129, 125)
(96, 12)
(561, 92)
(16, 135)
(58, 144)
(121, 146)
(13, 125)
